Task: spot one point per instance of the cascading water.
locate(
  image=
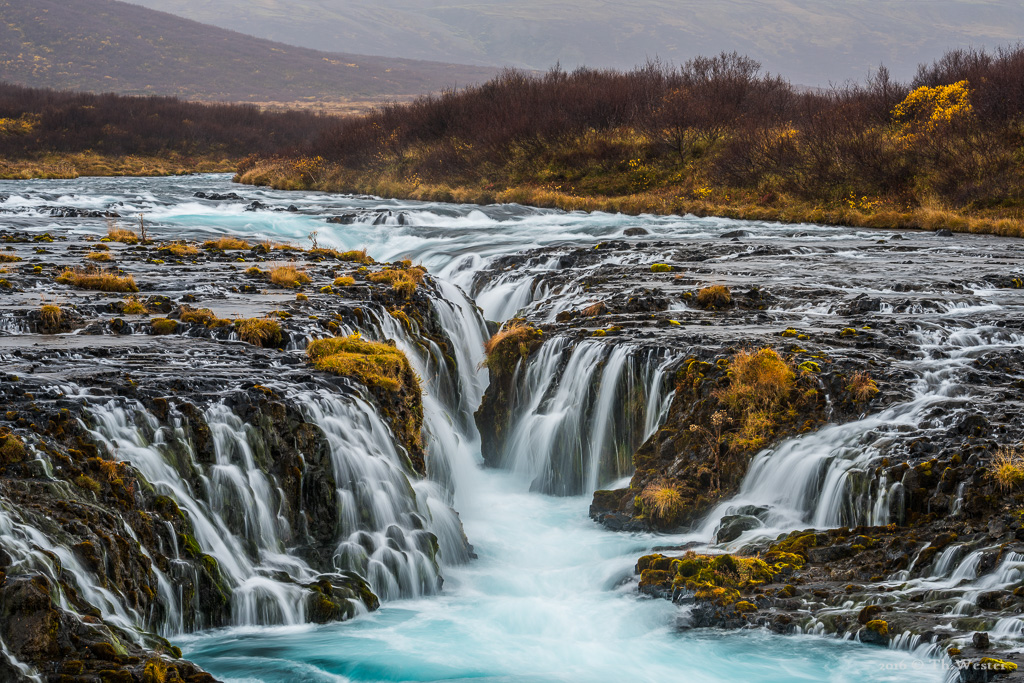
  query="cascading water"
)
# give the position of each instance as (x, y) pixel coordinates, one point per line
(550, 596)
(813, 480)
(580, 412)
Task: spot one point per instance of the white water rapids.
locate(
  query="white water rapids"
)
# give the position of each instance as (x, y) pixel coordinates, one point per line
(550, 596)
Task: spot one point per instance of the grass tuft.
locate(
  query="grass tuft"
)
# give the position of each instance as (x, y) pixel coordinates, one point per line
(226, 243)
(103, 282)
(122, 235)
(512, 343)
(51, 315)
(714, 297)
(259, 331)
(1008, 468)
(289, 276)
(403, 281)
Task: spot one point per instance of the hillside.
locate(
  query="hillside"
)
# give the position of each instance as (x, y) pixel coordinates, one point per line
(810, 41)
(110, 46)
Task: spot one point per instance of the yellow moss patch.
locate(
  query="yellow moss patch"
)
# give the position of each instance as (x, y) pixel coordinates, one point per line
(375, 364)
(164, 326)
(993, 664)
(344, 281)
(99, 256)
(104, 282)
(12, 450)
(878, 626)
(661, 268)
(132, 306)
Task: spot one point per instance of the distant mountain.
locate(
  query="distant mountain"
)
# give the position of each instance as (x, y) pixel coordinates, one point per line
(809, 41)
(110, 46)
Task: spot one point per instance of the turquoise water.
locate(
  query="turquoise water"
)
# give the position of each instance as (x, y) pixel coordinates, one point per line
(549, 599)
(552, 596)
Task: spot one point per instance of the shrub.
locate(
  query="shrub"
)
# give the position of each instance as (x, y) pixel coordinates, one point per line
(512, 343)
(50, 315)
(289, 276)
(103, 282)
(164, 326)
(259, 331)
(226, 243)
(375, 364)
(862, 387)
(344, 281)
(714, 297)
(115, 234)
(1008, 468)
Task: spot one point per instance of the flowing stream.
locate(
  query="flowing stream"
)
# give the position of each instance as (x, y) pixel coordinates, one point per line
(550, 595)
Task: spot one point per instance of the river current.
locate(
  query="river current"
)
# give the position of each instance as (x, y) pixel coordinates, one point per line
(550, 596)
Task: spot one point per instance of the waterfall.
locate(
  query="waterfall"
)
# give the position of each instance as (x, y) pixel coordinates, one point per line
(822, 479)
(579, 411)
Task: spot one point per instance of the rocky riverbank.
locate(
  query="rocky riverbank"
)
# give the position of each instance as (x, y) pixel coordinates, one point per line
(881, 401)
(148, 390)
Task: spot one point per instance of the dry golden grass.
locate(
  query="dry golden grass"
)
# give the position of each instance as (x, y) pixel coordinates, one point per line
(1008, 468)
(759, 378)
(259, 331)
(513, 342)
(344, 281)
(289, 276)
(355, 256)
(103, 256)
(725, 202)
(226, 243)
(115, 234)
(92, 164)
(862, 386)
(594, 309)
(9, 258)
(132, 306)
(375, 364)
(714, 297)
(103, 282)
(50, 315)
(662, 502)
(403, 281)
(181, 249)
(202, 316)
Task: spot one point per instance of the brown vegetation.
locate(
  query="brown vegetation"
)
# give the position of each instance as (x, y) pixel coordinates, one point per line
(226, 243)
(513, 342)
(375, 364)
(714, 297)
(259, 331)
(716, 136)
(104, 282)
(289, 276)
(403, 281)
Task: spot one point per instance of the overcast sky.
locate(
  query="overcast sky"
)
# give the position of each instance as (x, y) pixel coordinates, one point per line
(812, 42)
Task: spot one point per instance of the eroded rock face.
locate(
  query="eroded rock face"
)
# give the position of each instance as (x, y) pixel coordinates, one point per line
(122, 462)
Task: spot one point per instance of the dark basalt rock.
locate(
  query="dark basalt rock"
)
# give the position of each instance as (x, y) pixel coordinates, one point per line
(219, 197)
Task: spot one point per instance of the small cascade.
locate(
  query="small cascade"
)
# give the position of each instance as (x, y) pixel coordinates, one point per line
(580, 411)
(823, 479)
